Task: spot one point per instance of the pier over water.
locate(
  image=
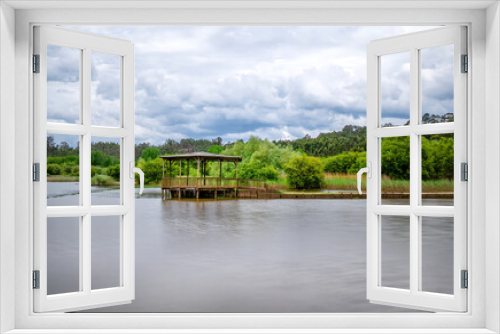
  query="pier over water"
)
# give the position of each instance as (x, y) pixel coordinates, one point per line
(177, 185)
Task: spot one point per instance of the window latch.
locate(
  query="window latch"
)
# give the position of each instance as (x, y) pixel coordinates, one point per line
(368, 171)
(132, 171)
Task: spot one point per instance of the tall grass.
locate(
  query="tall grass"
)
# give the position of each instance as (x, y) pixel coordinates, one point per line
(349, 182)
(62, 178)
(103, 180)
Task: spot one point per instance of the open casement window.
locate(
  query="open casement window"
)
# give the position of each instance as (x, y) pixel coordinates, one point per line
(414, 65)
(64, 108)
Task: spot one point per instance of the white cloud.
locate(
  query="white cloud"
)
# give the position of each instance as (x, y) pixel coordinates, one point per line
(234, 82)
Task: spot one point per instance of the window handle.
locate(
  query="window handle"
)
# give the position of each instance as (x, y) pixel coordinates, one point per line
(134, 170)
(368, 171)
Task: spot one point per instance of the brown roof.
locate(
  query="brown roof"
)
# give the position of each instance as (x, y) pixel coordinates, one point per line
(206, 156)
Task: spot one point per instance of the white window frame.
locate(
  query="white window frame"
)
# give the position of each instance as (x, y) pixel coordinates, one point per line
(85, 298)
(483, 314)
(414, 296)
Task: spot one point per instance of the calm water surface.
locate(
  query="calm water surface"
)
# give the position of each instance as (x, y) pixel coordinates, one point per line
(245, 255)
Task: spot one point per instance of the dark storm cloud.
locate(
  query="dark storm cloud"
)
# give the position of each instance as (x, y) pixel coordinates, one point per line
(233, 82)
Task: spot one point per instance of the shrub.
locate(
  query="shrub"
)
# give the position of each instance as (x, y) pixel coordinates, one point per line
(95, 171)
(75, 171)
(257, 171)
(344, 162)
(67, 169)
(114, 171)
(53, 169)
(102, 180)
(304, 172)
(152, 170)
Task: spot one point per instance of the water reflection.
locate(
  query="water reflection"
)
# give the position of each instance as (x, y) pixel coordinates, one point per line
(249, 256)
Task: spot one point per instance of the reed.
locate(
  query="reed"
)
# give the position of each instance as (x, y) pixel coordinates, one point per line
(349, 182)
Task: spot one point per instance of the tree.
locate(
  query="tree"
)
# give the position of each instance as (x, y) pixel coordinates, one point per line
(150, 153)
(152, 169)
(216, 149)
(304, 172)
(396, 157)
(257, 171)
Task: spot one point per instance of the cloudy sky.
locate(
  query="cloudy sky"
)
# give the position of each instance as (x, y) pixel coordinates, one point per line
(235, 82)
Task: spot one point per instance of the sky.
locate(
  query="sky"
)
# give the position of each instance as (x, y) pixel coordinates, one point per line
(235, 82)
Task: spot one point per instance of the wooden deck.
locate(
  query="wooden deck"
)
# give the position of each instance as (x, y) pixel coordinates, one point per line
(205, 184)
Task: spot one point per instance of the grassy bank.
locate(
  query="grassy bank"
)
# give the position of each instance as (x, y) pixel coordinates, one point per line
(331, 181)
(62, 178)
(349, 182)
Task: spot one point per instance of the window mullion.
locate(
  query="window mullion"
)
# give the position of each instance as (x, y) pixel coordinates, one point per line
(85, 174)
(414, 170)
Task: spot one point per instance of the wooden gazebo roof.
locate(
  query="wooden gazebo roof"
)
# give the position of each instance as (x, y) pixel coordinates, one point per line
(202, 156)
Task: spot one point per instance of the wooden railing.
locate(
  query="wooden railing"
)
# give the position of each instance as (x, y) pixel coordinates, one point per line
(211, 182)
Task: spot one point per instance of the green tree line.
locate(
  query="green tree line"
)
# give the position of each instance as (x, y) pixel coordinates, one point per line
(338, 152)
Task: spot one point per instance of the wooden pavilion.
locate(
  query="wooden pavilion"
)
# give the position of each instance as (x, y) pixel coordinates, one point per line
(200, 182)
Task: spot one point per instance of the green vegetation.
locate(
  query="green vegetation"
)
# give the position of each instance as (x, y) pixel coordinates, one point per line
(350, 139)
(103, 180)
(262, 160)
(304, 172)
(331, 160)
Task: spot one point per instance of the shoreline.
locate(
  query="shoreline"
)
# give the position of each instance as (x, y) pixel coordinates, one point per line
(306, 195)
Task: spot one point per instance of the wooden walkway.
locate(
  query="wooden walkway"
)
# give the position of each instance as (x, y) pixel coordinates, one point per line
(208, 184)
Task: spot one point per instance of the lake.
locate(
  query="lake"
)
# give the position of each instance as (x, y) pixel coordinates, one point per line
(244, 255)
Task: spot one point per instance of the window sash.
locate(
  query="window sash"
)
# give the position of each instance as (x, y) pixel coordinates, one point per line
(86, 297)
(414, 298)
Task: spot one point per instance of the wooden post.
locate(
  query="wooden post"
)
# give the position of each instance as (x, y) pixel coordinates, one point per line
(204, 164)
(197, 170)
(163, 170)
(180, 174)
(236, 174)
(220, 173)
(187, 180)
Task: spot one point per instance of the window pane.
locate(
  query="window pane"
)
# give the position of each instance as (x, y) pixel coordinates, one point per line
(105, 171)
(437, 84)
(437, 254)
(395, 243)
(395, 181)
(63, 255)
(63, 170)
(437, 169)
(106, 77)
(63, 84)
(395, 89)
(105, 252)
